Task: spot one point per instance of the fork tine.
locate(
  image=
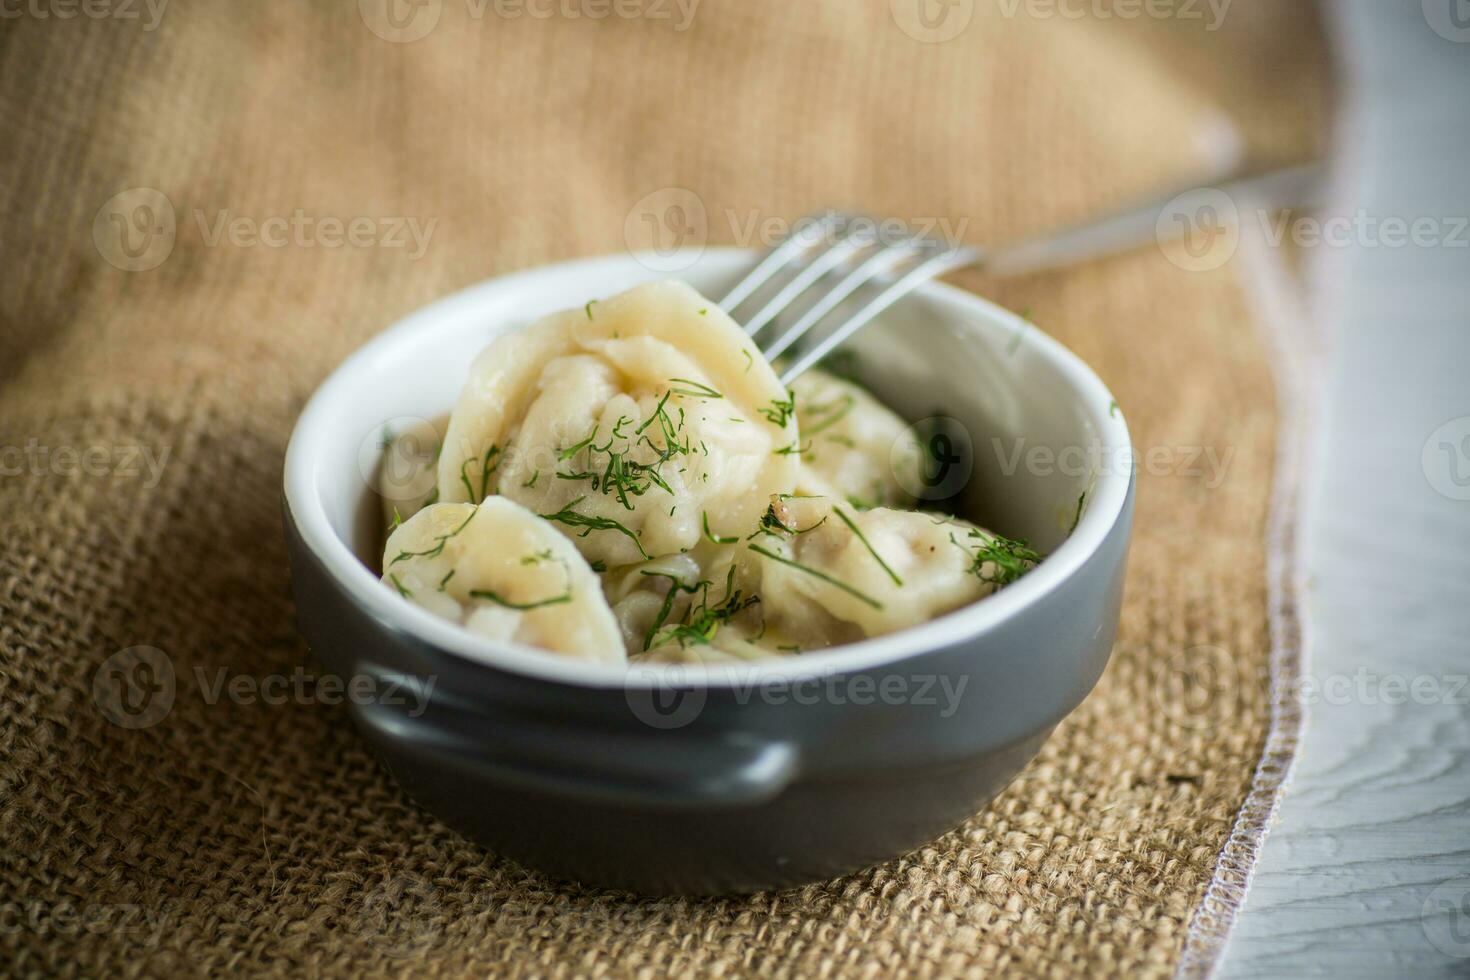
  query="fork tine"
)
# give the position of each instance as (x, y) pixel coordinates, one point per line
(834, 256)
(946, 261)
(875, 265)
(777, 259)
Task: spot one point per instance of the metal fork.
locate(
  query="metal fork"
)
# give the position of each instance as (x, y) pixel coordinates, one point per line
(856, 257)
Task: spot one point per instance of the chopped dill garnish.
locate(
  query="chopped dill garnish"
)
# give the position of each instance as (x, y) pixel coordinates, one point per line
(771, 523)
(537, 558)
(817, 573)
(500, 600)
(445, 580)
(1113, 409)
(598, 566)
(852, 525)
(1077, 517)
(532, 481)
(1009, 559)
(695, 389)
(1015, 343)
(488, 465)
(675, 587)
(399, 586)
(840, 440)
(385, 440)
(749, 360)
(397, 519)
(794, 450)
(839, 410)
(780, 412)
(702, 621)
(715, 538)
(789, 648)
(590, 523)
(702, 312)
(576, 448)
(439, 541)
(588, 308)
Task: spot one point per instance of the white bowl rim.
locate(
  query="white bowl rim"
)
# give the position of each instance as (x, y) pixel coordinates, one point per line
(1104, 505)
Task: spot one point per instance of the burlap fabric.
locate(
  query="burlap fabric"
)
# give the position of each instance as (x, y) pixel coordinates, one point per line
(263, 838)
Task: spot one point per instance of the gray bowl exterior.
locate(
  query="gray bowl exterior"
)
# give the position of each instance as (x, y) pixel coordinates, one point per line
(707, 790)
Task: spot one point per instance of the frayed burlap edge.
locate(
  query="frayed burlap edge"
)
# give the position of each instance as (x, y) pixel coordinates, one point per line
(1287, 324)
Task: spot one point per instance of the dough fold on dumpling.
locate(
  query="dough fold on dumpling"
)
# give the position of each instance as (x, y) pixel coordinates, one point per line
(501, 571)
(628, 422)
(853, 446)
(880, 570)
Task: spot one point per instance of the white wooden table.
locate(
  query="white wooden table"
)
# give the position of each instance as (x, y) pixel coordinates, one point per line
(1367, 871)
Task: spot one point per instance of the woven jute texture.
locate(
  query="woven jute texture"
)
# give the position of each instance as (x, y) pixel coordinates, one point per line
(157, 346)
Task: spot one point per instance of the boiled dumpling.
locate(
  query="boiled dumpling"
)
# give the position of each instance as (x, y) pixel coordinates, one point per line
(503, 572)
(878, 570)
(407, 475)
(629, 422)
(854, 447)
